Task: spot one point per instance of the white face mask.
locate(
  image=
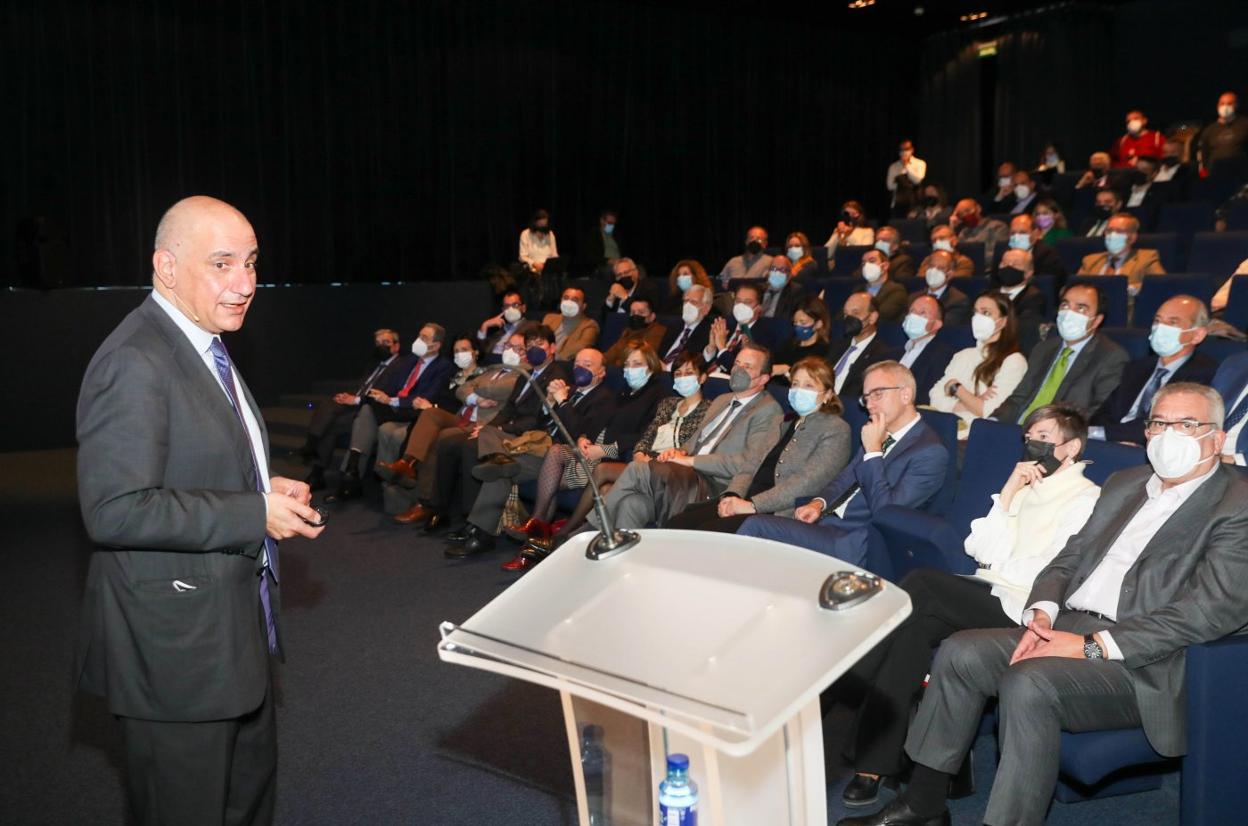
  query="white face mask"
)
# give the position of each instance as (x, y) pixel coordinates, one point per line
(935, 277)
(1226, 111)
(982, 327)
(462, 359)
(419, 347)
(511, 358)
(1071, 325)
(871, 271)
(1173, 454)
(511, 315)
(743, 313)
(914, 326)
(1004, 181)
(1135, 126)
(1022, 191)
(569, 308)
(943, 244)
(884, 247)
(689, 312)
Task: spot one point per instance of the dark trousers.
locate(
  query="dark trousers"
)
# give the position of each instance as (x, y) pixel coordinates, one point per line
(447, 469)
(210, 773)
(704, 516)
(891, 675)
(330, 421)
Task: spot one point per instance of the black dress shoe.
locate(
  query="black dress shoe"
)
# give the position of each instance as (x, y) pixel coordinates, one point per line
(316, 479)
(478, 542)
(348, 488)
(862, 791)
(896, 813)
(461, 533)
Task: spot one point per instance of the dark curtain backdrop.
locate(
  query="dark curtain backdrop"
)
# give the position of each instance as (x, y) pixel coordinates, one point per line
(376, 140)
(949, 112)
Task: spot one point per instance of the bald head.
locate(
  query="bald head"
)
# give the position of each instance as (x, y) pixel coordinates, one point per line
(204, 262)
(1019, 259)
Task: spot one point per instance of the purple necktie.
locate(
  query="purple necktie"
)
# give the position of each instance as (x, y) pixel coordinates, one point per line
(222, 360)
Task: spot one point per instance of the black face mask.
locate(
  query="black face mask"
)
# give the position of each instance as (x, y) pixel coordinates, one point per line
(852, 325)
(1103, 212)
(1010, 276)
(381, 352)
(849, 218)
(1041, 452)
(930, 200)
(636, 322)
(1170, 160)
(543, 230)
(754, 247)
(626, 281)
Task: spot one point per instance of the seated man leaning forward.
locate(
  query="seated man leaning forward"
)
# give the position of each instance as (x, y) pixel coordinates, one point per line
(901, 462)
(1159, 566)
(739, 430)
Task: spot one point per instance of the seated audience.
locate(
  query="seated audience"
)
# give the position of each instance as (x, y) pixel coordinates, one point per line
(643, 326)
(978, 379)
(1231, 381)
(851, 230)
(695, 331)
(537, 242)
(1097, 174)
(751, 264)
(428, 373)
(937, 269)
(1223, 295)
(584, 405)
(602, 246)
(495, 330)
(1128, 597)
(630, 282)
(971, 226)
(1138, 142)
(1000, 199)
(1044, 258)
(812, 449)
(1108, 203)
(1179, 327)
(812, 324)
(1079, 366)
(726, 339)
(901, 462)
(904, 175)
(1121, 256)
(783, 292)
(737, 433)
(944, 239)
(1046, 500)
(1051, 161)
(933, 206)
(1050, 221)
(923, 355)
(900, 264)
(684, 275)
(797, 248)
(860, 347)
(1025, 192)
(877, 273)
(1174, 177)
(332, 419)
(1014, 276)
(574, 330)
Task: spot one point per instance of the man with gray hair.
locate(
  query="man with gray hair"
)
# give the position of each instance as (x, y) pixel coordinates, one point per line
(901, 462)
(1156, 568)
(695, 333)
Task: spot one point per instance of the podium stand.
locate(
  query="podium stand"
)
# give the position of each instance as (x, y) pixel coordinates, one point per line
(713, 645)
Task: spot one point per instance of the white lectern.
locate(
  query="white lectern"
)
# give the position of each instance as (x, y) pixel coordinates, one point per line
(709, 644)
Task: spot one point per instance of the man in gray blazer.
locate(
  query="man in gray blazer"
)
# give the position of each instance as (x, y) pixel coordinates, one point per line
(1157, 567)
(738, 432)
(1079, 366)
(180, 605)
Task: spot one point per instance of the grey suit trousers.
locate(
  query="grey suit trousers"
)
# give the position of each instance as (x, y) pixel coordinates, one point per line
(487, 510)
(390, 439)
(364, 431)
(1038, 699)
(652, 492)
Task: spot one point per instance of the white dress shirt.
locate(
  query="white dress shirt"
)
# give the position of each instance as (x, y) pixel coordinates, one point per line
(858, 346)
(915, 169)
(1100, 591)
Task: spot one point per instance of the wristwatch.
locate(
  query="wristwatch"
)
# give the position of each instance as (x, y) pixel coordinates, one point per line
(1092, 649)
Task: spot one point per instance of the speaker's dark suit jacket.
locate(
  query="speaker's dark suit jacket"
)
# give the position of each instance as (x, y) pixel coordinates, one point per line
(168, 491)
(927, 368)
(877, 350)
(909, 475)
(1087, 384)
(1199, 368)
(1185, 587)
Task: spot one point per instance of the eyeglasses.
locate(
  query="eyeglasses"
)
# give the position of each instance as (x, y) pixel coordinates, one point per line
(515, 348)
(876, 394)
(1155, 427)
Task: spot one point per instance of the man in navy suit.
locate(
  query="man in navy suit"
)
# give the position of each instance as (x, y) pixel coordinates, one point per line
(1178, 328)
(901, 462)
(747, 324)
(1231, 381)
(923, 354)
(428, 374)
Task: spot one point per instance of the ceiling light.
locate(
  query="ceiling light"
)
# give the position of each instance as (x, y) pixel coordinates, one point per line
(973, 16)
(861, 4)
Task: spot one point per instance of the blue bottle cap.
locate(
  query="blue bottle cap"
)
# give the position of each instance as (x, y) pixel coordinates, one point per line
(678, 762)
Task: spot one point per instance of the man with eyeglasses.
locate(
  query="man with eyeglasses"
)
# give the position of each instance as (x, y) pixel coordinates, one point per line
(1156, 568)
(630, 282)
(495, 330)
(901, 462)
(1179, 327)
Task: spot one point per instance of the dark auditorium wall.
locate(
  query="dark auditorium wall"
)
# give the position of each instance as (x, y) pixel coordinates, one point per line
(380, 141)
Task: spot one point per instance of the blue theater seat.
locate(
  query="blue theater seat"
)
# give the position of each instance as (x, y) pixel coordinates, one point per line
(1074, 249)
(1185, 219)
(1156, 289)
(1115, 289)
(974, 250)
(912, 230)
(1167, 246)
(1219, 253)
(849, 259)
(1236, 312)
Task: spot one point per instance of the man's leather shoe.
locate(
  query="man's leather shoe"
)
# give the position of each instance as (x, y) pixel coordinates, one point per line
(478, 542)
(519, 563)
(862, 790)
(417, 515)
(896, 813)
(316, 479)
(492, 470)
(401, 469)
(458, 535)
(348, 488)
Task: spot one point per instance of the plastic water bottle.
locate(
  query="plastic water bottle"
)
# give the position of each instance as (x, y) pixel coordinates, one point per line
(596, 768)
(678, 795)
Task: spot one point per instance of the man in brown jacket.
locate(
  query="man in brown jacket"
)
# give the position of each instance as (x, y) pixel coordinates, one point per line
(574, 331)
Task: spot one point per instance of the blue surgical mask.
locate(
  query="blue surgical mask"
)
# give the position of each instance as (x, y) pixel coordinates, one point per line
(1164, 339)
(803, 333)
(803, 401)
(684, 282)
(636, 376)
(609, 229)
(582, 377)
(686, 386)
(795, 254)
(1020, 241)
(776, 279)
(1115, 242)
(1072, 326)
(884, 247)
(914, 326)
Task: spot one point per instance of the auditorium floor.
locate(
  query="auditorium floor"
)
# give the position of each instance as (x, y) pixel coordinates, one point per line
(373, 727)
